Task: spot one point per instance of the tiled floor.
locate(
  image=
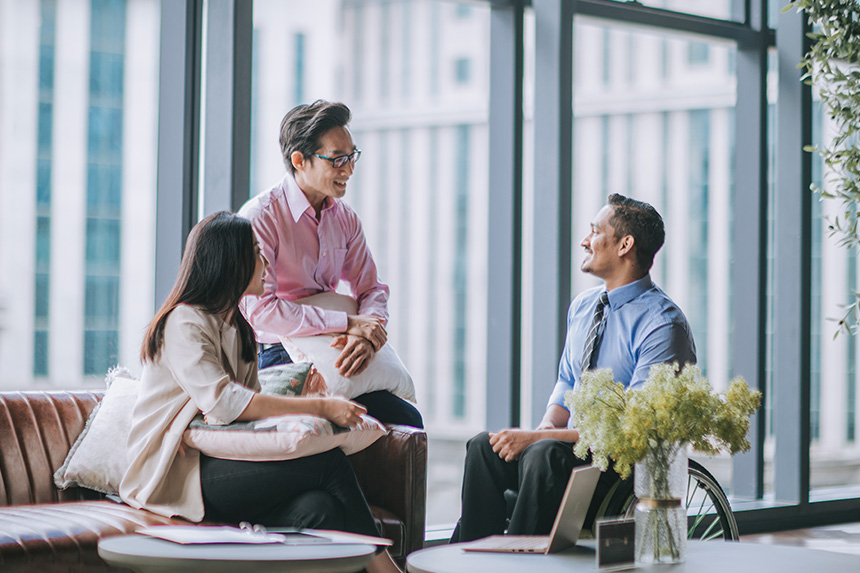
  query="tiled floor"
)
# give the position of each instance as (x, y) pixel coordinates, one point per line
(844, 538)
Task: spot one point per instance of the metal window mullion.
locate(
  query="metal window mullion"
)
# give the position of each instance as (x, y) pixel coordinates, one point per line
(640, 15)
(792, 266)
(227, 127)
(178, 137)
(551, 252)
(504, 250)
(749, 288)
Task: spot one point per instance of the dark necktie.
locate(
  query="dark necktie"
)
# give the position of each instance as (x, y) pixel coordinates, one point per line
(592, 342)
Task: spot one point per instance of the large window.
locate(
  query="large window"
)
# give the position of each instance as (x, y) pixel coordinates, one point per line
(834, 451)
(671, 101)
(415, 75)
(77, 188)
(675, 107)
(654, 115)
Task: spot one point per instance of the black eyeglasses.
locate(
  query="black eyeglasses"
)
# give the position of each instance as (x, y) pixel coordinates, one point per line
(341, 160)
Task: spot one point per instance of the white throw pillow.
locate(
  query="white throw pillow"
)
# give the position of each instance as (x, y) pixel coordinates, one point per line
(97, 459)
(280, 437)
(385, 371)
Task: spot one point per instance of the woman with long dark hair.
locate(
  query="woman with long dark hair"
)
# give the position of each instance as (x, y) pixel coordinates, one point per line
(199, 355)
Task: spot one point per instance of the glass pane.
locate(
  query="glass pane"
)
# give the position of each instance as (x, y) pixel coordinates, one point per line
(78, 128)
(654, 120)
(772, 96)
(774, 7)
(415, 75)
(721, 9)
(834, 451)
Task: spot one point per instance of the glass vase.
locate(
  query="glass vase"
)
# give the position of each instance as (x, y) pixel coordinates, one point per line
(660, 483)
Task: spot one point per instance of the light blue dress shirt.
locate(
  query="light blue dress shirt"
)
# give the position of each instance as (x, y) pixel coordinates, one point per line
(642, 327)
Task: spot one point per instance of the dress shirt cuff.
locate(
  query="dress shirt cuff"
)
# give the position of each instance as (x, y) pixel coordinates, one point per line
(230, 404)
(267, 338)
(335, 321)
(557, 396)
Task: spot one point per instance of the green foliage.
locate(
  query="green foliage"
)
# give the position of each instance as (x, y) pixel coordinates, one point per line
(671, 407)
(832, 66)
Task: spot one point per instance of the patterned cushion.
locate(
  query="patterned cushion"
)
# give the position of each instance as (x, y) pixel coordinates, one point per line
(280, 437)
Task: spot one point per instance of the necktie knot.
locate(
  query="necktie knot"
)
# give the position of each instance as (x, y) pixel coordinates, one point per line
(603, 300)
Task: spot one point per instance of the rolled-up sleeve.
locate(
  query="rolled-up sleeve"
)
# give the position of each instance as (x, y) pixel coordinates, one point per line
(194, 361)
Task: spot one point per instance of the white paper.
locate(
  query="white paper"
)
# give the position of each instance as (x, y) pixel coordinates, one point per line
(200, 534)
(191, 534)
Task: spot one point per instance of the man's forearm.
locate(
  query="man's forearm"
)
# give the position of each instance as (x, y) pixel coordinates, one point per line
(555, 417)
(554, 425)
(564, 435)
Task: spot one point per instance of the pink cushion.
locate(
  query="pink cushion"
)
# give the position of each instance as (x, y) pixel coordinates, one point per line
(281, 438)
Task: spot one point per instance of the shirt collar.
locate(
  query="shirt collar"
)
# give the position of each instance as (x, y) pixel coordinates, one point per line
(622, 295)
(297, 200)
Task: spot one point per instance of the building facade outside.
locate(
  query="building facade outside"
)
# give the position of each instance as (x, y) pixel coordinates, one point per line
(78, 119)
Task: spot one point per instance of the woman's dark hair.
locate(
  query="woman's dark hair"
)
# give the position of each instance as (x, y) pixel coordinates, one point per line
(641, 221)
(304, 125)
(217, 265)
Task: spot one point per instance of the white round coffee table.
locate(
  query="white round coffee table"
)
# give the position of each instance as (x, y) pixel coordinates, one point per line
(702, 557)
(145, 554)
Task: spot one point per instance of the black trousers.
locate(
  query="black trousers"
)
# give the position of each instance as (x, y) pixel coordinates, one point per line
(382, 405)
(539, 479)
(318, 491)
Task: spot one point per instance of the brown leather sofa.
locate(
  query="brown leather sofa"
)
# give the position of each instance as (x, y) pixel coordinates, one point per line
(45, 529)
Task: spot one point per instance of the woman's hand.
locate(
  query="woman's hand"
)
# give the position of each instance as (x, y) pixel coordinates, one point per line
(341, 411)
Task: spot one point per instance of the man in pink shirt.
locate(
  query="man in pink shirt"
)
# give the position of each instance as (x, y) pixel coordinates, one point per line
(313, 240)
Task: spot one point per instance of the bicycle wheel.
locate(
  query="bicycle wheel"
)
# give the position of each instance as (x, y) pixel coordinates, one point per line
(709, 515)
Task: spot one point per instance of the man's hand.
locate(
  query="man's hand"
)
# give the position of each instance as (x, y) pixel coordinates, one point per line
(356, 354)
(369, 327)
(509, 444)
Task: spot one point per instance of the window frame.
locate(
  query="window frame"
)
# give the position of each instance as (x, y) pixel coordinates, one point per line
(187, 95)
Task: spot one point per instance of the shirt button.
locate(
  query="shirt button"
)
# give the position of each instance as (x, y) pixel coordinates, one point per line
(325, 253)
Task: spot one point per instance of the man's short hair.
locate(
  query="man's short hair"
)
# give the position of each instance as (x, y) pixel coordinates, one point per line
(304, 125)
(641, 221)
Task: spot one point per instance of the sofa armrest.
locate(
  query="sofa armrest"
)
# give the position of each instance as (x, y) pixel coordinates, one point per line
(393, 475)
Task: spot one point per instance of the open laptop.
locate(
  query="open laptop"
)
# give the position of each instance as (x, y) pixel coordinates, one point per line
(565, 530)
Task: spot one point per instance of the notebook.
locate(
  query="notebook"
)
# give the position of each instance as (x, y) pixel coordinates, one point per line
(565, 530)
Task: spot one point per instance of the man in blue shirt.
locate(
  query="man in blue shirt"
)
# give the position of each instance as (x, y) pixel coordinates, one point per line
(627, 325)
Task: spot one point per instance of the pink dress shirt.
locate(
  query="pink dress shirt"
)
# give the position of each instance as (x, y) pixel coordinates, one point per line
(308, 257)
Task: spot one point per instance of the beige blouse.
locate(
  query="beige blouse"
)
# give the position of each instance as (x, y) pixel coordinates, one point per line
(200, 368)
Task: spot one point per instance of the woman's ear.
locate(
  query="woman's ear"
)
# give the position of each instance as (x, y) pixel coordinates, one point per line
(298, 160)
